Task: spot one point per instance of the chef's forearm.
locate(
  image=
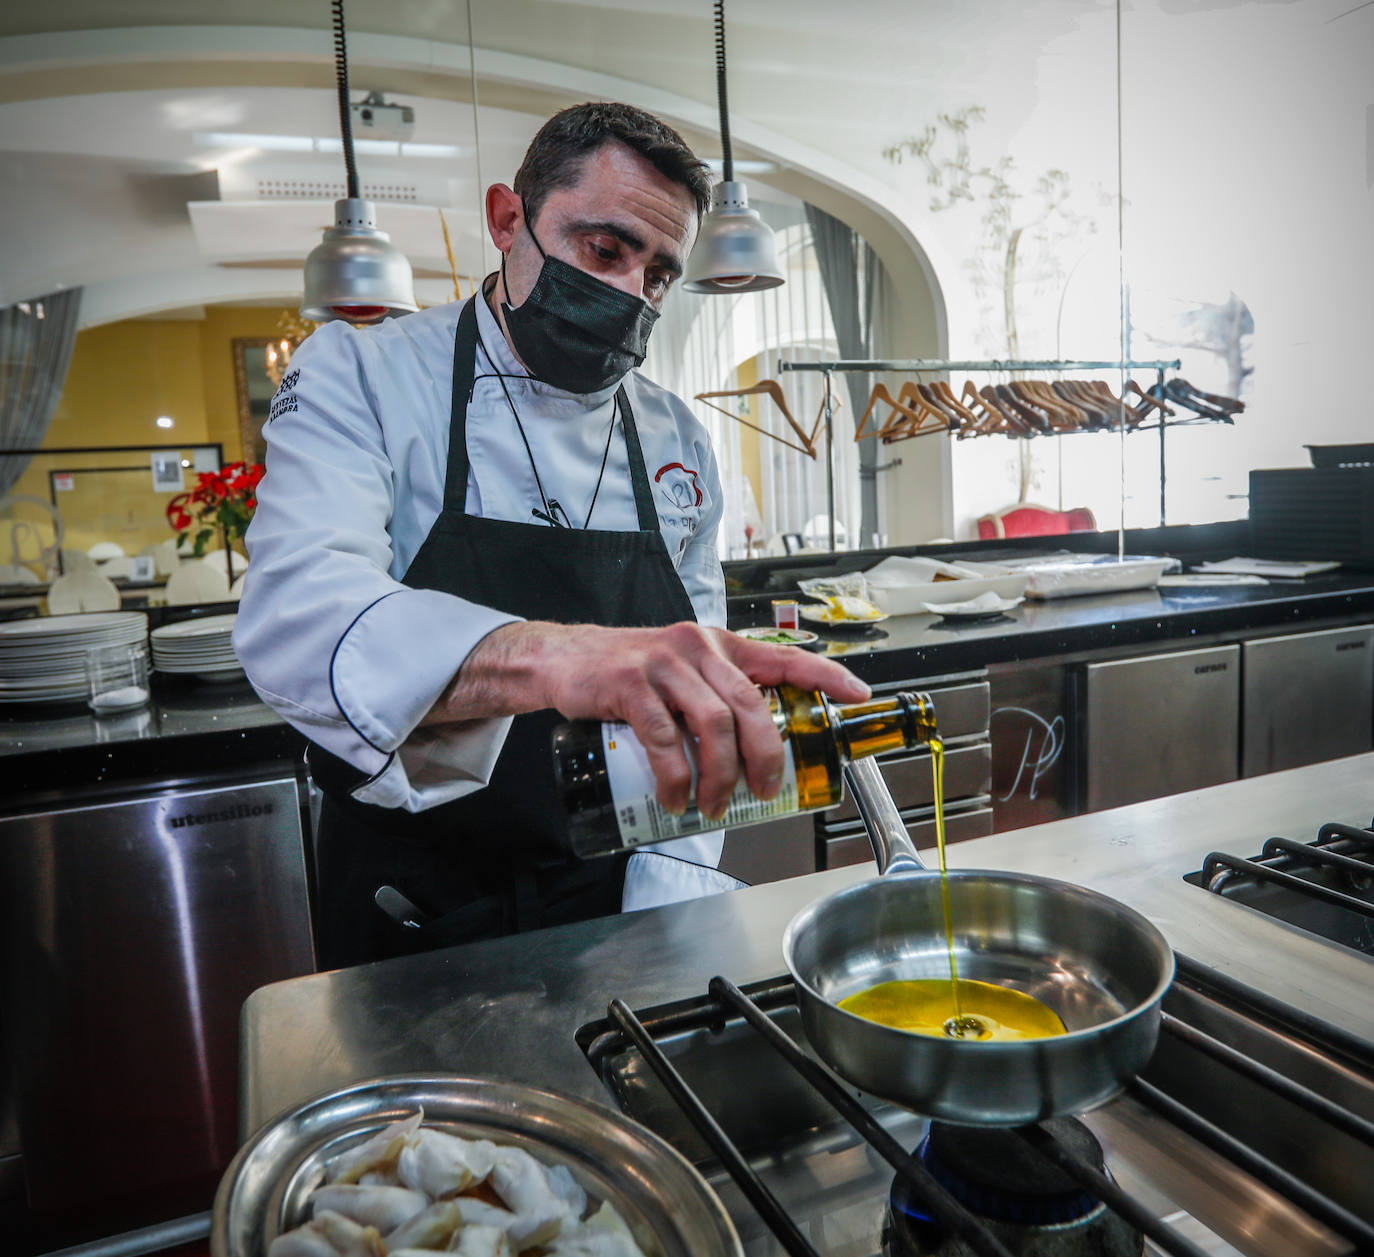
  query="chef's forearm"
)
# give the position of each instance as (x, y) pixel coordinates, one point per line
(505, 674)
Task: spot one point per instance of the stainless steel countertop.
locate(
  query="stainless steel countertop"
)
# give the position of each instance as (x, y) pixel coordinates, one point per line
(509, 1008)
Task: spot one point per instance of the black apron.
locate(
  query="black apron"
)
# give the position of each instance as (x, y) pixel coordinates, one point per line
(496, 861)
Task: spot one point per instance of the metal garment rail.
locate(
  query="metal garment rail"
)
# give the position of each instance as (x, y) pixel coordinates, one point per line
(984, 364)
(943, 1207)
(846, 365)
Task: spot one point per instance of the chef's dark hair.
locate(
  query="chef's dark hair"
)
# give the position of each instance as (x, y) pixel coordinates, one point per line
(555, 155)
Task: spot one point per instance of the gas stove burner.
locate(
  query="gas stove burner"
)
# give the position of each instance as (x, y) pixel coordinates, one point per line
(1325, 887)
(1033, 1207)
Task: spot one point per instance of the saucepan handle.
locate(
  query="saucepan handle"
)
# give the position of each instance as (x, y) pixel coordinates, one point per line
(892, 846)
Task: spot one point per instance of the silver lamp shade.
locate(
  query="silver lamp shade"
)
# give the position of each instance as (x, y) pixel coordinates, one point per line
(735, 251)
(356, 273)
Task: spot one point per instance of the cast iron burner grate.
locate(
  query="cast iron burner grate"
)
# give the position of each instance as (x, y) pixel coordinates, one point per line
(1325, 887)
(1056, 1148)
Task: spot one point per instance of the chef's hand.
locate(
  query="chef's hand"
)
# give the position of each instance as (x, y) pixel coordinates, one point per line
(651, 678)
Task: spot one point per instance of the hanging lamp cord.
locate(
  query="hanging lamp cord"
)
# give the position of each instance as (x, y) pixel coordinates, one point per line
(345, 113)
(727, 158)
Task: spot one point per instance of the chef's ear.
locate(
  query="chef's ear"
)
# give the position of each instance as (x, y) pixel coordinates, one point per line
(505, 213)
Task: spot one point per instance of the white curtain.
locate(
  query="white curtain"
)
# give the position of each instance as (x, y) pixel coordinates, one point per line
(699, 345)
(36, 340)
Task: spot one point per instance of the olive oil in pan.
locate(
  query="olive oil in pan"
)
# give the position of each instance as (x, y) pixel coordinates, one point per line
(980, 1010)
(922, 1007)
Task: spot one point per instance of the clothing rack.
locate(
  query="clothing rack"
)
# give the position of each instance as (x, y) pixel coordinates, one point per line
(985, 364)
(921, 365)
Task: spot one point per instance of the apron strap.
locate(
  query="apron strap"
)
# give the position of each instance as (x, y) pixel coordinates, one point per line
(464, 375)
(639, 476)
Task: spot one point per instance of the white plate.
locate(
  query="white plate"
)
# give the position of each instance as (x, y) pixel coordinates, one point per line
(62, 681)
(205, 625)
(77, 691)
(828, 616)
(77, 623)
(223, 675)
(796, 637)
(913, 599)
(199, 646)
(188, 661)
(986, 606)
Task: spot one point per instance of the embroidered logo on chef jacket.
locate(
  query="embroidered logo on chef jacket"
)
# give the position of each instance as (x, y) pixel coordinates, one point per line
(284, 399)
(679, 511)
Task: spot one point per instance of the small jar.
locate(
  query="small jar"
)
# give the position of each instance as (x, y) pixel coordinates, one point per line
(785, 613)
(117, 678)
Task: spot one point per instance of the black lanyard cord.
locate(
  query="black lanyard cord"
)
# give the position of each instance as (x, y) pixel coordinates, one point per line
(605, 454)
(552, 508)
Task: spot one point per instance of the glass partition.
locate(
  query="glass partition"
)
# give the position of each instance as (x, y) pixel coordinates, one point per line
(1248, 169)
(105, 503)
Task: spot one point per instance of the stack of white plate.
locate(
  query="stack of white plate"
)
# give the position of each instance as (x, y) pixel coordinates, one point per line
(198, 648)
(44, 660)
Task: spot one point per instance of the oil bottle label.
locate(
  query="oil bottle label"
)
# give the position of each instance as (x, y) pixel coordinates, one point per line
(643, 819)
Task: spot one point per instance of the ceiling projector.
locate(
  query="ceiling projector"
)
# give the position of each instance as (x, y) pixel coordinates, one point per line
(374, 119)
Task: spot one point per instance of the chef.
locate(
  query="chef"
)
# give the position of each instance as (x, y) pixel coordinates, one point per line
(479, 519)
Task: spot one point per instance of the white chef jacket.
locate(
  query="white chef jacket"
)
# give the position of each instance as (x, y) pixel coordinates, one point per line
(357, 440)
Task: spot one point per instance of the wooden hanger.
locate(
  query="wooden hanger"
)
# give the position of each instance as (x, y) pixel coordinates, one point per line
(933, 418)
(1148, 402)
(910, 416)
(771, 388)
(987, 419)
(1065, 416)
(1118, 412)
(1096, 416)
(942, 390)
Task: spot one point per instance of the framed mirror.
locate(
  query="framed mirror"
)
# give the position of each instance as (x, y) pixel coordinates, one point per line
(259, 363)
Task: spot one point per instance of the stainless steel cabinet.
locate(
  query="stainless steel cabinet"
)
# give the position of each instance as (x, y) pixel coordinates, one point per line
(968, 772)
(134, 929)
(1307, 697)
(1160, 725)
(771, 850)
(967, 819)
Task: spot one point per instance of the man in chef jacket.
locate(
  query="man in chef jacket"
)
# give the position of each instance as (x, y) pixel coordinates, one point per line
(480, 519)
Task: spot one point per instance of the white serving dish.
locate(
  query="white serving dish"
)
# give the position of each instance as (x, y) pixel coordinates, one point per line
(905, 586)
(1103, 576)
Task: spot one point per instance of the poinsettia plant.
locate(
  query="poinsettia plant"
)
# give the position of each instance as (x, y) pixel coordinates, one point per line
(222, 502)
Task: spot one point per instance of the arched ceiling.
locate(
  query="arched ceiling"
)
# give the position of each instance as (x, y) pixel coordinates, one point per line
(107, 107)
(102, 103)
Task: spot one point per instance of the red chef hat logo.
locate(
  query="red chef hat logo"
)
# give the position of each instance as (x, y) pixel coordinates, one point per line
(680, 483)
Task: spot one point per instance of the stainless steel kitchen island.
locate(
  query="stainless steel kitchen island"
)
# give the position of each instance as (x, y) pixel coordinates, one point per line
(513, 1008)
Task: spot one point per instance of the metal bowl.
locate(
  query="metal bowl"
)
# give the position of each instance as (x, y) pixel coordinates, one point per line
(666, 1203)
(1100, 965)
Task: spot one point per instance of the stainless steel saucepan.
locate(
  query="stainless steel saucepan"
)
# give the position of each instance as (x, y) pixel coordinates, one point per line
(1097, 963)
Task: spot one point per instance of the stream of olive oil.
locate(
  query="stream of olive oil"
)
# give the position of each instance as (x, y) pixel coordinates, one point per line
(922, 1005)
(937, 767)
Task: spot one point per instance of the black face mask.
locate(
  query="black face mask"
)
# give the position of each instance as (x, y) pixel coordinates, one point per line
(575, 331)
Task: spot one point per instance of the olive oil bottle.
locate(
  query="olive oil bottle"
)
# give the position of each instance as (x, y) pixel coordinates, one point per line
(607, 787)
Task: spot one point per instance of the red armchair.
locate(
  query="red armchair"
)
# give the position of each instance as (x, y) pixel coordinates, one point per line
(1026, 520)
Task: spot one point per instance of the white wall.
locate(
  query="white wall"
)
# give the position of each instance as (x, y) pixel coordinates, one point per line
(1246, 168)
